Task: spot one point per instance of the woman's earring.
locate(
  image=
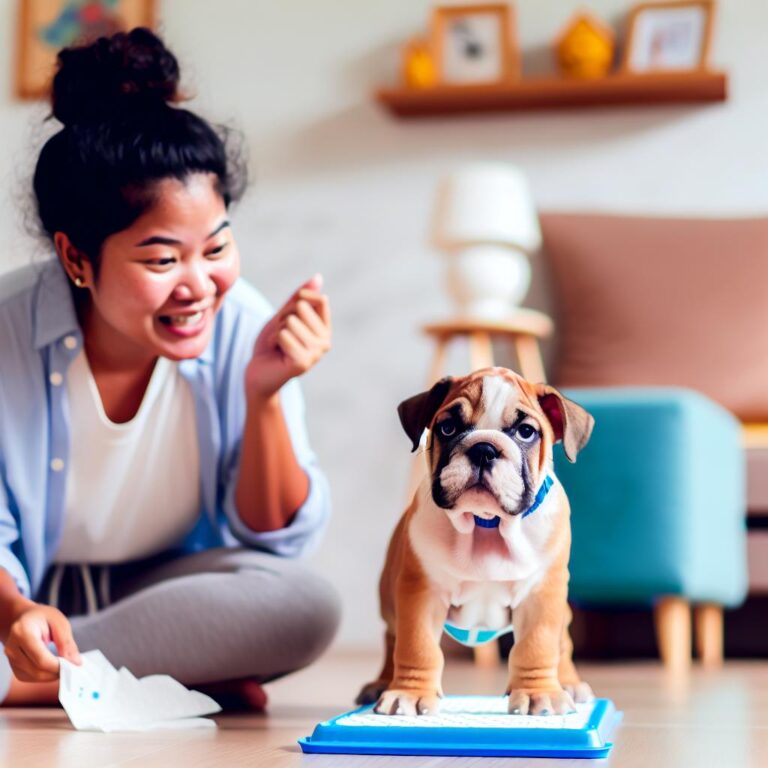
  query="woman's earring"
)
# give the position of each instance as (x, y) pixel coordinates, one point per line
(79, 282)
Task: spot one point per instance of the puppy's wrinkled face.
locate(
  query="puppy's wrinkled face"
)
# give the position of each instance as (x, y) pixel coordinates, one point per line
(490, 442)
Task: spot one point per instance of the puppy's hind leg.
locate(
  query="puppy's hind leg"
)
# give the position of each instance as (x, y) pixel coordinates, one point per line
(370, 692)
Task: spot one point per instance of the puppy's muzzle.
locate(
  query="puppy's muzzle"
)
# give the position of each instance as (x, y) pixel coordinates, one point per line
(482, 455)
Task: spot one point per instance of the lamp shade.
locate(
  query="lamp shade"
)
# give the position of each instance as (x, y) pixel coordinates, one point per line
(486, 203)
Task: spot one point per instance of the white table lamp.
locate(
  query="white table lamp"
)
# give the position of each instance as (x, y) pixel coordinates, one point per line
(486, 223)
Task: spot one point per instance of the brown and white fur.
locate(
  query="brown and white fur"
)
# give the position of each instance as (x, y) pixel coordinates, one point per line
(488, 450)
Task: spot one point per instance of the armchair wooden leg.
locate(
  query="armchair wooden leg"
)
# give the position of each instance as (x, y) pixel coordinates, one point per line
(673, 632)
(708, 623)
(487, 655)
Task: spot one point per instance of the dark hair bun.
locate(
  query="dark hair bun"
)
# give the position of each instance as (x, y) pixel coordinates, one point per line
(130, 70)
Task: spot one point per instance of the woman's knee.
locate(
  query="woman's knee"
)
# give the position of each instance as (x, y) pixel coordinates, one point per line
(258, 614)
(324, 617)
(301, 608)
(307, 616)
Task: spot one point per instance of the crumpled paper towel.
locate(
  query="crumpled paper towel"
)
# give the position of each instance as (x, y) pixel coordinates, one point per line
(98, 697)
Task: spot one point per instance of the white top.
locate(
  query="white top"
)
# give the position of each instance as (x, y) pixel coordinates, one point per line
(132, 489)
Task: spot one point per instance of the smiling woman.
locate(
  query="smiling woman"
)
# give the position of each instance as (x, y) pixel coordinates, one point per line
(152, 426)
(160, 281)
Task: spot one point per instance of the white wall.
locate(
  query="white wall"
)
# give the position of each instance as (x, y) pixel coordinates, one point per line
(344, 189)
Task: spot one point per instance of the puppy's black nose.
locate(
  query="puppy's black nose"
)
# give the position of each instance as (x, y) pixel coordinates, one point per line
(482, 453)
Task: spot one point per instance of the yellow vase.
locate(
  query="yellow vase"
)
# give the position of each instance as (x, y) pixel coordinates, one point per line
(418, 66)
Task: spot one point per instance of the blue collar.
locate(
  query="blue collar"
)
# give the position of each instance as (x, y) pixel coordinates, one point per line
(482, 522)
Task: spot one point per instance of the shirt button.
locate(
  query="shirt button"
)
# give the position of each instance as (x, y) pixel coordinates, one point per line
(56, 379)
(57, 465)
(70, 342)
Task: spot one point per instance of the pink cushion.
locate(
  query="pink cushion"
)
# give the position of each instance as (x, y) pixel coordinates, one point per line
(662, 301)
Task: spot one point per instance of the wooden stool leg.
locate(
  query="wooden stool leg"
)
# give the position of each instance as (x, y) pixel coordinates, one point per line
(438, 361)
(529, 359)
(435, 373)
(487, 655)
(673, 632)
(708, 623)
(480, 350)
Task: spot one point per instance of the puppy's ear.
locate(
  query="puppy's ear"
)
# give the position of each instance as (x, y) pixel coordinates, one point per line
(570, 422)
(417, 412)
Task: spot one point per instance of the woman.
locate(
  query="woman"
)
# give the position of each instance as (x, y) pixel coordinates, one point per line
(151, 417)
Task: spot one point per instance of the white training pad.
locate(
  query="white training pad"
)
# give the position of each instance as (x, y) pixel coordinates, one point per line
(473, 712)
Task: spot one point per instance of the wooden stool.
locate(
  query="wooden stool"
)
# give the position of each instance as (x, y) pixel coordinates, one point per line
(524, 328)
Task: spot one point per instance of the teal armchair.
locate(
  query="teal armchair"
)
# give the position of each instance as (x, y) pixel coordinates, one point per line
(658, 500)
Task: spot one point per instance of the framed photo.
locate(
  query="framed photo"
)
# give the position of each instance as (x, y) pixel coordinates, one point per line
(670, 36)
(474, 44)
(47, 26)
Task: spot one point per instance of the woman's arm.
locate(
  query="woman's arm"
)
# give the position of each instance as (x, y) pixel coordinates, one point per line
(12, 603)
(271, 485)
(26, 628)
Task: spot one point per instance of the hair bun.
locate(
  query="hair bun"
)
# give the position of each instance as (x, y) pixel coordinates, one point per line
(126, 71)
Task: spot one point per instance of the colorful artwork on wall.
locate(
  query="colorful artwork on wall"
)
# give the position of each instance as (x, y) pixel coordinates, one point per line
(47, 26)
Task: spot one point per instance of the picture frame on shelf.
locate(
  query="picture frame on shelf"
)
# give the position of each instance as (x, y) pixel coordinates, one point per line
(668, 36)
(474, 44)
(47, 26)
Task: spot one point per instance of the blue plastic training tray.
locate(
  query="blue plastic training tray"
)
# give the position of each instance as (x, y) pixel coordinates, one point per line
(469, 725)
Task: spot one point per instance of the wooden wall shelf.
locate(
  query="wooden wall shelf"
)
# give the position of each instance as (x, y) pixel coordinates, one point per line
(556, 92)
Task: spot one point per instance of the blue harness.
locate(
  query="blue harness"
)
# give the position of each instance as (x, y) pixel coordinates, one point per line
(474, 637)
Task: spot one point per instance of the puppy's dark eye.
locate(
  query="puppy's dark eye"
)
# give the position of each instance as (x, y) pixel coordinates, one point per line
(447, 428)
(526, 433)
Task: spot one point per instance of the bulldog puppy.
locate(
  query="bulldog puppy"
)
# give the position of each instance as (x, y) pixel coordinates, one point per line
(484, 544)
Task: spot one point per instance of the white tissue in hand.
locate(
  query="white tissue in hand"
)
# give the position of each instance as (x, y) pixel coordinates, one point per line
(97, 697)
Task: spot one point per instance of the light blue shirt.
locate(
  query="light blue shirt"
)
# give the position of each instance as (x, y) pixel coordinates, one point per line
(39, 338)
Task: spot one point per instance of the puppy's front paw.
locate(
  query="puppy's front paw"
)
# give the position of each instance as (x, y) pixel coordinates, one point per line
(579, 691)
(526, 701)
(401, 702)
(370, 692)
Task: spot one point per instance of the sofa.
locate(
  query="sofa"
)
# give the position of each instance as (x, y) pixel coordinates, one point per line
(670, 315)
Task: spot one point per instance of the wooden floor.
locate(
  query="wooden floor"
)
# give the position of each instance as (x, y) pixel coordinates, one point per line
(716, 719)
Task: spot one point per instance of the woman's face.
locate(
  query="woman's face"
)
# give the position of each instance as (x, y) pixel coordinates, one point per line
(162, 280)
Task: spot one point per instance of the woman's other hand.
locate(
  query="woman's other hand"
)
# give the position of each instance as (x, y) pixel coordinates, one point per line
(292, 342)
(27, 643)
